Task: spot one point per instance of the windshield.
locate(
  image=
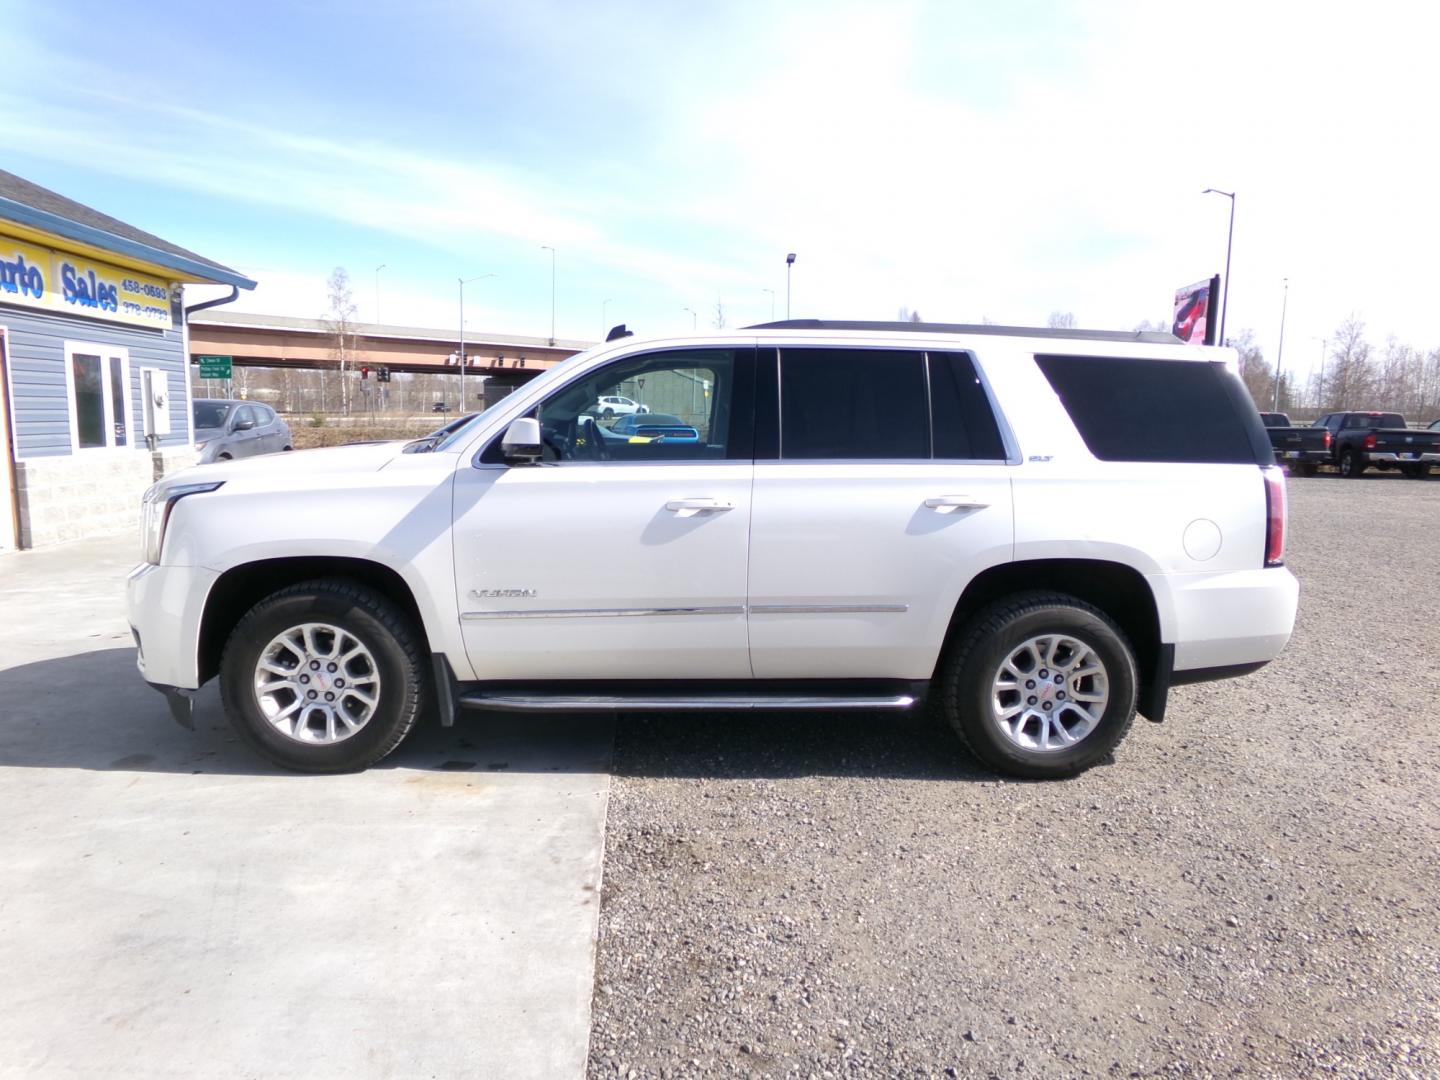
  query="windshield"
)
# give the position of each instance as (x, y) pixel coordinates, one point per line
(462, 433)
(211, 414)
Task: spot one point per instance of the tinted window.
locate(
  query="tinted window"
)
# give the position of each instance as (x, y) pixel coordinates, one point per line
(964, 424)
(1158, 410)
(853, 403)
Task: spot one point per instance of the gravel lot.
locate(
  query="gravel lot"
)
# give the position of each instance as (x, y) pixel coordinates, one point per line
(1251, 888)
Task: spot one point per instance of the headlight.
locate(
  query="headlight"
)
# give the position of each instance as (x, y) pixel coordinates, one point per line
(155, 513)
(200, 444)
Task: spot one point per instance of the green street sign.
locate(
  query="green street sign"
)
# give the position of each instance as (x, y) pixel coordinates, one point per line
(215, 367)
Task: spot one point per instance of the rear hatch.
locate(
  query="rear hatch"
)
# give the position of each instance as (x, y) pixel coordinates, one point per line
(1298, 438)
(1405, 441)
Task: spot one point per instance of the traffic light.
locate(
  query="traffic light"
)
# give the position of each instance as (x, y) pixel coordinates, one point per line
(364, 372)
(383, 375)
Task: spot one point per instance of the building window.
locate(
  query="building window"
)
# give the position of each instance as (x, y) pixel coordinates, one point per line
(97, 378)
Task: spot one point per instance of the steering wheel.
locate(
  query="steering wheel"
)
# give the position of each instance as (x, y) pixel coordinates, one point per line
(587, 441)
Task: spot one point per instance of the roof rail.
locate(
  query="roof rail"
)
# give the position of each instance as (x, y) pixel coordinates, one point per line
(1152, 337)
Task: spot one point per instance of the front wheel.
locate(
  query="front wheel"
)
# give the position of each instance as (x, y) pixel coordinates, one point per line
(325, 676)
(1040, 686)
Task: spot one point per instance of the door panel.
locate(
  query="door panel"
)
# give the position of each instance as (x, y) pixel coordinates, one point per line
(622, 556)
(853, 575)
(603, 571)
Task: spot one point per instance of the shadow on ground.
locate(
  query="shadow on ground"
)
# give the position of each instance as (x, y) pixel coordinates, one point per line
(92, 711)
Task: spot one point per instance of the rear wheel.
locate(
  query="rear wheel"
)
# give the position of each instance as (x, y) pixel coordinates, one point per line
(1416, 472)
(1350, 465)
(1305, 468)
(325, 676)
(1041, 686)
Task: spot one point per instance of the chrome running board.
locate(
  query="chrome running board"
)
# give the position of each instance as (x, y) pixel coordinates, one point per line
(501, 701)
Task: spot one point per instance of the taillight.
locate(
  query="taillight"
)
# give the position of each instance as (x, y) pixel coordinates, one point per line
(1275, 515)
(1370, 441)
(1328, 438)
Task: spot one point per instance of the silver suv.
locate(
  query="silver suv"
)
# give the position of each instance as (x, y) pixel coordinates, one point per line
(235, 429)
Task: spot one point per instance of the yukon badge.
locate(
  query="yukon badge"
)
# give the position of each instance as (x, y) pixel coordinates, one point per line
(490, 594)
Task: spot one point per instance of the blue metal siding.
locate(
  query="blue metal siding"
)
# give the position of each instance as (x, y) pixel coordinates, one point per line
(35, 346)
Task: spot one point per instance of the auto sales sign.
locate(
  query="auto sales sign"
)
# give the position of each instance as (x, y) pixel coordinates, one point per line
(62, 281)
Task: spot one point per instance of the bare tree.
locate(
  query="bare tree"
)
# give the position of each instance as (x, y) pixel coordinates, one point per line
(1061, 320)
(719, 314)
(1350, 374)
(906, 315)
(340, 323)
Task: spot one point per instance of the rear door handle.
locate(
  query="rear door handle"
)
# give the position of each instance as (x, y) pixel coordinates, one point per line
(955, 502)
(690, 507)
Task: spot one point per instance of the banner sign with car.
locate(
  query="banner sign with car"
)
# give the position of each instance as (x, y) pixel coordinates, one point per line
(57, 280)
(1193, 324)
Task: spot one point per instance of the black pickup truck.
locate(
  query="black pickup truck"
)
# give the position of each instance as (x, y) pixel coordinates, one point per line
(1301, 449)
(1382, 439)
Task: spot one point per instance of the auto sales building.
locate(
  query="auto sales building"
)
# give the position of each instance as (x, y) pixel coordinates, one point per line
(94, 379)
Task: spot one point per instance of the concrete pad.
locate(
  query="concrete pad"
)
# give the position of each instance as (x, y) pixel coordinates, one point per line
(172, 906)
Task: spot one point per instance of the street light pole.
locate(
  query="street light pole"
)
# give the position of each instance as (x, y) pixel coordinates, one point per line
(463, 283)
(377, 290)
(694, 319)
(1280, 351)
(1229, 241)
(547, 247)
(789, 262)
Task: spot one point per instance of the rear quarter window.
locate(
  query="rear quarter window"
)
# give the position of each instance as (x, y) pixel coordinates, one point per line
(1136, 409)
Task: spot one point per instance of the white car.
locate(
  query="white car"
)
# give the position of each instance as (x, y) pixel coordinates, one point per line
(1038, 532)
(614, 405)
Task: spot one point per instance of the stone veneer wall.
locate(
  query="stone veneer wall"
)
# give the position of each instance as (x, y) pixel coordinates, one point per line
(88, 494)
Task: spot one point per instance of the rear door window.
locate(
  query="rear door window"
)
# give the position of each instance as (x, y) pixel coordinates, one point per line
(866, 404)
(1134, 409)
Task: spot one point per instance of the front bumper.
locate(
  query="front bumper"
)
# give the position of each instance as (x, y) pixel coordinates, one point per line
(164, 605)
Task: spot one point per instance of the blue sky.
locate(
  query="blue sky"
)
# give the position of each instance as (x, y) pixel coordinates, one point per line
(967, 160)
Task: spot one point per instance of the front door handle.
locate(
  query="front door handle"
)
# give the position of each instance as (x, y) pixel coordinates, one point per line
(691, 507)
(955, 502)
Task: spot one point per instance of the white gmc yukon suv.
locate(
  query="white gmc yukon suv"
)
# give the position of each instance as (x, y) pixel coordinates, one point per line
(1039, 532)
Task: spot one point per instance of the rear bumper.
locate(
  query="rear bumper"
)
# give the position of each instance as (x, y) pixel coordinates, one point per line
(1234, 619)
(164, 605)
(1317, 457)
(1386, 457)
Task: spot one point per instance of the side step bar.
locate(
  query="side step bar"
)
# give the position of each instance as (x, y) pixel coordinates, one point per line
(504, 701)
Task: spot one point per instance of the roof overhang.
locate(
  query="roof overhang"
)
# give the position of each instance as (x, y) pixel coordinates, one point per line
(106, 244)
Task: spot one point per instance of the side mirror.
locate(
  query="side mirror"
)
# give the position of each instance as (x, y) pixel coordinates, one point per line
(244, 425)
(521, 443)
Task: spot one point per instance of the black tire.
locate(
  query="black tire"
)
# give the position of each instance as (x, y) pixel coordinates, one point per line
(1305, 468)
(393, 642)
(969, 671)
(1351, 467)
(608, 412)
(1415, 472)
